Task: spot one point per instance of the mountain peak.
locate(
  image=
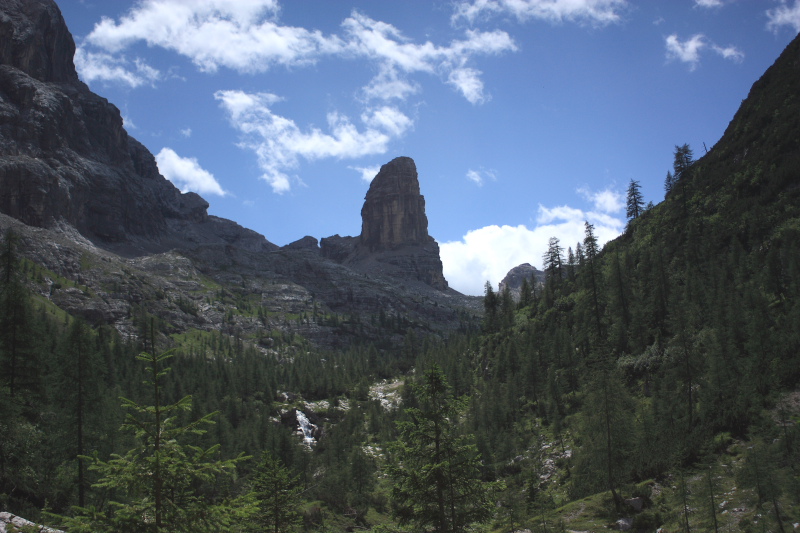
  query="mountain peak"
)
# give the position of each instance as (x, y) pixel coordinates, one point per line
(394, 210)
(35, 40)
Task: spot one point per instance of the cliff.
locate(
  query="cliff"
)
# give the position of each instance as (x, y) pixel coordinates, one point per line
(93, 210)
(394, 238)
(66, 158)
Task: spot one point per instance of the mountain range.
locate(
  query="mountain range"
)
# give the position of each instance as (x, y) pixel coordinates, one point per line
(92, 207)
(650, 385)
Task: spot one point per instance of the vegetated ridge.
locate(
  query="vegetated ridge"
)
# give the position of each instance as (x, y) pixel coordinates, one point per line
(648, 385)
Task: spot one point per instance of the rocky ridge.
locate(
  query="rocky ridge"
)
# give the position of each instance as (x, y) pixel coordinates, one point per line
(115, 238)
(66, 158)
(394, 238)
(514, 278)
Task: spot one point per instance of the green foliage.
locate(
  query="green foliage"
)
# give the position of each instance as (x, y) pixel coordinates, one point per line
(168, 485)
(277, 495)
(435, 471)
(634, 200)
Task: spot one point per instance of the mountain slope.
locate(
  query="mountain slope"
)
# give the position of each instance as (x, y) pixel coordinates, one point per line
(656, 381)
(68, 166)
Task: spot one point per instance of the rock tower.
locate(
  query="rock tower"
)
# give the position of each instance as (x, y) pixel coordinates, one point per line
(394, 238)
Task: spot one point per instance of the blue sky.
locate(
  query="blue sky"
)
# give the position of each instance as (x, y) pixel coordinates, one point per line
(524, 117)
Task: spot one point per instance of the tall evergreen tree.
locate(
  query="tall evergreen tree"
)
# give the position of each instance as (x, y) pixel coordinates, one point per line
(17, 356)
(161, 477)
(606, 433)
(591, 250)
(78, 381)
(436, 471)
(635, 200)
(683, 159)
(553, 259)
(277, 493)
(491, 308)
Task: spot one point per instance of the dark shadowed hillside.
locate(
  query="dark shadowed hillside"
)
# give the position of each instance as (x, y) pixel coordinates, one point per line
(648, 386)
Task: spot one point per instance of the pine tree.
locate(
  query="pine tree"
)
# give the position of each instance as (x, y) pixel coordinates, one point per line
(161, 477)
(669, 182)
(602, 462)
(591, 249)
(525, 294)
(278, 497)
(491, 308)
(683, 159)
(635, 201)
(19, 366)
(553, 259)
(78, 382)
(435, 471)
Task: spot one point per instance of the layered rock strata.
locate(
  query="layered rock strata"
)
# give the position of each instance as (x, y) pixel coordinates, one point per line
(66, 158)
(394, 238)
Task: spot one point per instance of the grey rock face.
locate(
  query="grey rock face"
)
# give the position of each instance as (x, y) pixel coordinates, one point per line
(394, 238)
(394, 210)
(65, 156)
(92, 208)
(516, 275)
(337, 248)
(36, 40)
(306, 243)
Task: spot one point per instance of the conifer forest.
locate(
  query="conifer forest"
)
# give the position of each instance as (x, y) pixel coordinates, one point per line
(648, 385)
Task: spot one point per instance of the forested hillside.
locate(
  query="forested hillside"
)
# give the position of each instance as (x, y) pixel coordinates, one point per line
(651, 384)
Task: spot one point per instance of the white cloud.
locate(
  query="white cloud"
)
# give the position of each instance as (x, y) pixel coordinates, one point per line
(469, 84)
(279, 143)
(385, 44)
(594, 12)
(708, 3)
(689, 50)
(605, 201)
(729, 52)
(237, 34)
(686, 51)
(367, 173)
(784, 15)
(479, 177)
(246, 37)
(489, 253)
(187, 174)
(102, 67)
(389, 85)
(389, 119)
(186, 132)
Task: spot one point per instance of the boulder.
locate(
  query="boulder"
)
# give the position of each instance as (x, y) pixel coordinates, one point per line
(10, 522)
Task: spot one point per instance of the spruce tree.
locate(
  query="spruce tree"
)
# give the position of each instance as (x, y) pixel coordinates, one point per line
(491, 307)
(635, 200)
(277, 493)
(669, 182)
(591, 250)
(162, 477)
(19, 367)
(434, 469)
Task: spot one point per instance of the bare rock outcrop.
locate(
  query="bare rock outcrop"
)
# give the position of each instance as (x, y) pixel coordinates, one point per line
(394, 238)
(91, 207)
(66, 158)
(394, 210)
(514, 278)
